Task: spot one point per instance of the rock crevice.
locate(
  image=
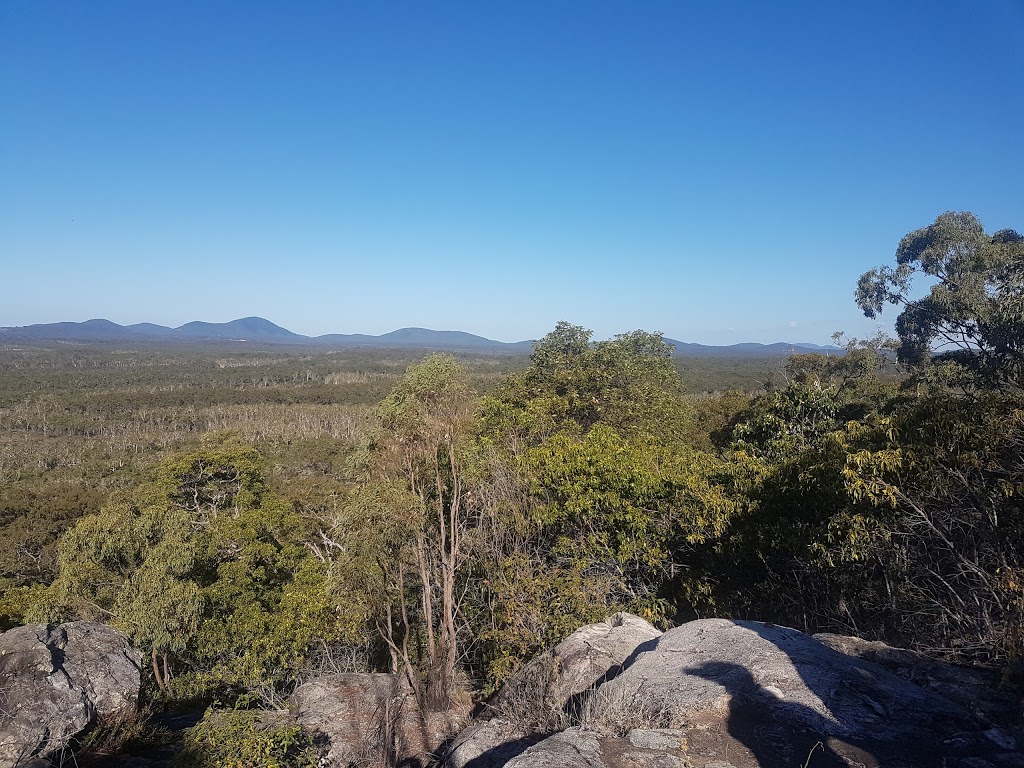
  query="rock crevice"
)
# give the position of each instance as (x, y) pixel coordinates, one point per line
(57, 681)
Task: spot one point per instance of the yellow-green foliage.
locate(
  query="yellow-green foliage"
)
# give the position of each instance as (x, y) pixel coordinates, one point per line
(598, 498)
(16, 603)
(206, 564)
(628, 505)
(628, 383)
(239, 739)
(535, 604)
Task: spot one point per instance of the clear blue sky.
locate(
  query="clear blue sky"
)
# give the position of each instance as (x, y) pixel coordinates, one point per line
(719, 171)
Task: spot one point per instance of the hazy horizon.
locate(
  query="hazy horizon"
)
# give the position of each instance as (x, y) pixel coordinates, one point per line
(797, 342)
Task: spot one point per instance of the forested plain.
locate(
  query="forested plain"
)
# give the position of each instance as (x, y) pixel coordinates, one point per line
(251, 518)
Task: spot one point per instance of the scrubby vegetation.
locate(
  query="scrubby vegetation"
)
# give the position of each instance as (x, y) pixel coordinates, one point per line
(240, 739)
(253, 521)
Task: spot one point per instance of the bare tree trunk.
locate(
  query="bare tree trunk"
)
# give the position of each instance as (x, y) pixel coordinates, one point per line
(423, 561)
(451, 555)
(160, 683)
(410, 671)
(389, 637)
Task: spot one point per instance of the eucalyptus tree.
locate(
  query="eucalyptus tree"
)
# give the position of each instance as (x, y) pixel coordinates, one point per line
(973, 311)
(892, 508)
(423, 480)
(203, 566)
(597, 501)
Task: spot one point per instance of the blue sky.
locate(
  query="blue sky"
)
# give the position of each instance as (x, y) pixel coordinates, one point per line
(718, 171)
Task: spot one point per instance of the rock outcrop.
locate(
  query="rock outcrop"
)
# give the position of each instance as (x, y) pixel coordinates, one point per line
(549, 691)
(57, 681)
(733, 694)
(977, 690)
(371, 719)
(490, 744)
(776, 693)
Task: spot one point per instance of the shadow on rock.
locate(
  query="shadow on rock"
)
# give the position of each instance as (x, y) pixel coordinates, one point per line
(764, 724)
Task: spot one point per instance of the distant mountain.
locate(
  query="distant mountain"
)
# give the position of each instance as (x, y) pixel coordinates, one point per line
(243, 329)
(745, 349)
(252, 329)
(90, 330)
(423, 337)
(151, 329)
(420, 336)
(258, 330)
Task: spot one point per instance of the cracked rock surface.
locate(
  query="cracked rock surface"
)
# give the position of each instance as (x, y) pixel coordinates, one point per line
(56, 681)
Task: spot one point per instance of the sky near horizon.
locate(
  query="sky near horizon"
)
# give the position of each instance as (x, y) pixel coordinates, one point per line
(718, 171)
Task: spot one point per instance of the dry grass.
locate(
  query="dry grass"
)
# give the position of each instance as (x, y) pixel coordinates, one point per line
(527, 701)
(617, 713)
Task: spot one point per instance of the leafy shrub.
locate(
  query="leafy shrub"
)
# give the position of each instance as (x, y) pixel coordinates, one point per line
(247, 739)
(15, 603)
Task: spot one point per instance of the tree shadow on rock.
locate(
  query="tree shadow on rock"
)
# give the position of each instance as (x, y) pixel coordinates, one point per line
(576, 704)
(499, 755)
(852, 713)
(778, 733)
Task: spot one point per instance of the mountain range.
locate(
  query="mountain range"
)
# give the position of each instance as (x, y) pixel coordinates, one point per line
(258, 330)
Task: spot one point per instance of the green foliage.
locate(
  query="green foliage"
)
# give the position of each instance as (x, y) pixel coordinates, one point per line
(596, 500)
(805, 538)
(130, 564)
(431, 392)
(16, 603)
(629, 383)
(973, 313)
(714, 417)
(785, 422)
(625, 501)
(205, 565)
(610, 522)
(34, 511)
(210, 483)
(945, 479)
(890, 511)
(531, 605)
(260, 594)
(240, 739)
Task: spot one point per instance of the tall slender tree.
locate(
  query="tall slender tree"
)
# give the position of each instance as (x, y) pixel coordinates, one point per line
(425, 422)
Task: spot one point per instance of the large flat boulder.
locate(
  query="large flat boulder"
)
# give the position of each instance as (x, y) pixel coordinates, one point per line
(978, 690)
(777, 695)
(56, 681)
(572, 748)
(578, 747)
(489, 744)
(717, 693)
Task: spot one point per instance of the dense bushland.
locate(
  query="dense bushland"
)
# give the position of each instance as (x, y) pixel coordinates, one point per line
(448, 522)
